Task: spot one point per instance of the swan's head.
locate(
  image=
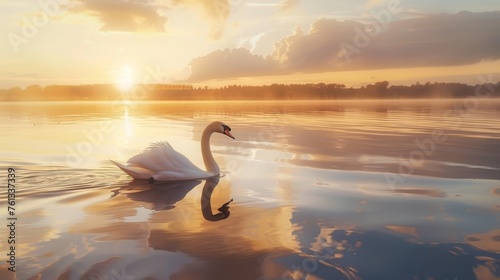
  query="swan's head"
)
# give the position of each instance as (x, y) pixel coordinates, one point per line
(221, 127)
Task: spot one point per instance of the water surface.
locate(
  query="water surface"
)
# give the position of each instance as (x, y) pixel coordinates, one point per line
(320, 189)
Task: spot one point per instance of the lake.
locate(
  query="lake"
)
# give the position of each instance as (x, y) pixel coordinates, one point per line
(389, 189)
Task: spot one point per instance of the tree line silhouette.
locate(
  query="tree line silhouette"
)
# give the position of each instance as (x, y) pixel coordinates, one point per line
(320, 91)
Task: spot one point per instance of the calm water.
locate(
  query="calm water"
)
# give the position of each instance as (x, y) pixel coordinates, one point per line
(321, 190)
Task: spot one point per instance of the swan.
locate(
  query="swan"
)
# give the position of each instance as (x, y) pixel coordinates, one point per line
(160, 162)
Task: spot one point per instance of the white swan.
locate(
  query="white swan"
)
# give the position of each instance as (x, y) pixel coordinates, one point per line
(160, 162)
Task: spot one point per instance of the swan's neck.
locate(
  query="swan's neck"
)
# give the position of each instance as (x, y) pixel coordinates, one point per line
(208, 158)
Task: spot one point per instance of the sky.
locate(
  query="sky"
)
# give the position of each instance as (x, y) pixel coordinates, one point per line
(222, 42)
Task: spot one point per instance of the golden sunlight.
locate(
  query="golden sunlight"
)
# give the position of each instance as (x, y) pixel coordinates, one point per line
(125, 79)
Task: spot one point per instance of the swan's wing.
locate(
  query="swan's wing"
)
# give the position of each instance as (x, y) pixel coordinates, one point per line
(161, 157)
(134, 171)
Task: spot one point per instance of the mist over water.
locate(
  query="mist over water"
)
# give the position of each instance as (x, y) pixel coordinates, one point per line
(321, 189)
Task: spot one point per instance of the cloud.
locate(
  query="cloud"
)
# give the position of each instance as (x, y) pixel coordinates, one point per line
(230, 63)
(217, 11)
(123, 15)
(214, 9)
(147, 16)
(319, 48)
(435, 40)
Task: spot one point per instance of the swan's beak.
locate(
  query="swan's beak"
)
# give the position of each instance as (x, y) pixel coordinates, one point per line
(228, 133)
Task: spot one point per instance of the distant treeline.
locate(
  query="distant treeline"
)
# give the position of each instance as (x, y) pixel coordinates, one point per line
(237, 92)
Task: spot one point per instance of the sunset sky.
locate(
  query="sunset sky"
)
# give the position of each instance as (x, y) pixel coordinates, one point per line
(218, 42)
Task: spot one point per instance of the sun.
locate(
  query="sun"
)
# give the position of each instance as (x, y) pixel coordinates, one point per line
(125, 79)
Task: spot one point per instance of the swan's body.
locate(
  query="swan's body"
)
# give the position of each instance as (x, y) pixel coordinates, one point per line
(160, 162)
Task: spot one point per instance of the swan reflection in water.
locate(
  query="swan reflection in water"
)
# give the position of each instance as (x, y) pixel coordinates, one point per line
(206, 206)
(164, 195)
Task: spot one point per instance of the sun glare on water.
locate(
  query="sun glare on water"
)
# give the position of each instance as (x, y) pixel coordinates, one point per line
(125, 79)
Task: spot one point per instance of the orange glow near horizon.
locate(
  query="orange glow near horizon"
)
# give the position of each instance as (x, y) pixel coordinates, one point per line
(399, 76)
